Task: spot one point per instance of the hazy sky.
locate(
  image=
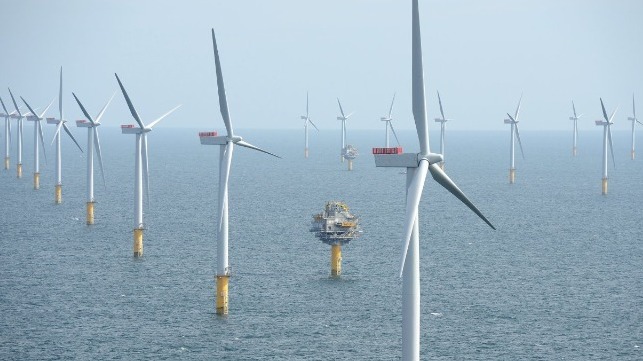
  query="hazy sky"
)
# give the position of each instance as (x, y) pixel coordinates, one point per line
(480, 54)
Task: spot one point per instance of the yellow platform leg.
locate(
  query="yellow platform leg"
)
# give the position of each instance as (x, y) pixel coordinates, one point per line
(36, 181)
(19, 170)
(90, 213)
(350, 164)
(58, 194)
(6, 162)
(336, 260)
(512, 175)
(306, 152)
(604, 186)
(222, 294)
(138, 242)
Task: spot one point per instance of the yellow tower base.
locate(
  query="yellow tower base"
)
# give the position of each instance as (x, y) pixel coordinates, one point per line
(336, 260)
(306, 152)
(90, 212)
(633, 154)
(19, 170)
(6, 162)
(222, 294)
(58, 194)
(350, 164)
(604, 186)
(512, 175)
(36, 181)
(574, 151)
(138, 242)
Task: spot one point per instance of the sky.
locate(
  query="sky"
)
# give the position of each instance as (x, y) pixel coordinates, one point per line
(480, 55)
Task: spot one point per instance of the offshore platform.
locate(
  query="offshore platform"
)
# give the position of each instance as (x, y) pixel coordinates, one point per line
(349, 153)
(335, 226)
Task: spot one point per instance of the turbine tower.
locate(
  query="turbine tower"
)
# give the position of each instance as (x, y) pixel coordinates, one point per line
(575, 119)
(141, 167)
(442, 122)
(93, 142)
(7, 133)
(60, 123)
(307, 120)
(634, 121)
(388, 124)
(226, 145)
(417, 166)
(37, 138)
(19, 117)
(343, 118)
(514, 131)
(607, 134)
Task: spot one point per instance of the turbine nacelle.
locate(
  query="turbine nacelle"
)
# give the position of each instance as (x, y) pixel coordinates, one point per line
(603, 123)
(404, 160)
(385, 119)
(134, 129)
(441, 120)
(83, 123)
(509, 121)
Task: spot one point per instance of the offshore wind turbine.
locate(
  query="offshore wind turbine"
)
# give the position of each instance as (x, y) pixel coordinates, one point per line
(388, 124)
(19, 117)
(141, 166)
(343, 118)
(634, 121)
(442, 122)
(37, 138)
(93, 143)
(7, 133)
(514, 131)
(307, 120)
(607, 135)
(417, 166)
(575, 119)
(60, 123)
(226, 145)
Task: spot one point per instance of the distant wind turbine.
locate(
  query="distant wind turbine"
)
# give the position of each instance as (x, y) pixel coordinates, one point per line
(575, 119)
(19, 118)
(607, 135)
(514, 131)
(37, 139)
(442, 122)
(226, 144)
(60, 123)
(343, 118)
(634, 121)
(388, 124)
(7, 133)
(141, 166)
(307, 120)
(93, 143)
(417, 166)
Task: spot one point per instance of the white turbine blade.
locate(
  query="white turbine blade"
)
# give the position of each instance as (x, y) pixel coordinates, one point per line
(152, 124)
(609, 136)
(413, 196)
(223, 182)
(28, 106)
(579, 116)
(393, 130)
(60, 95)
(313, 124)
(14, 103)
(60, 125)
(340, 108)
(42, 140)
(102, 111)
(47, 108)
(417, 75)
(248, 145)
(636, 121)
(223, 102)
(518, 108)
(129, 103)
(82, 108)
(604, 112)
(443, 179)
(146, 169)
(348, 116)
(71, 136)
(390, 111)
(612, 116)
(440, 102)
(4, 107)
(307, 106)
(574, 107)
(633, 107)
(98, 153)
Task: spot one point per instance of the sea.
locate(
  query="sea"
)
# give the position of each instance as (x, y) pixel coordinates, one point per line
(560, 279)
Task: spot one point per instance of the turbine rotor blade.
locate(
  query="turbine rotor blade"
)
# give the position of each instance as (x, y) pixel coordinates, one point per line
(71, 136)
(223, 102)
(440, 102)
(413, 196)
(223, 181)
(604, 112)
(129, 103)
(4, 107)
(313, 124)
(14, 103)
(60, 95)
(28, 106)
(390, 111)
(393, 130)
(82, 108)
(42, 140)
(102, 111)
(574, 107)
(609, 136)
(518, 108)
(152, 124)
(417, 84)
(519, 142)
(98, 153)
(248, 145)
(60, 125)
(306, 105)
(340, 108)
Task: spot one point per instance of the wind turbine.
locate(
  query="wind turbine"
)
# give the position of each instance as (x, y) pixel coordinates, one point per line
(93, 142)
(575, 119)
(307, 120)
(442, 122)
(7, 132)
(226, 144)
(19, 117)
(388, 124)
(607, 134)
(634, 121)
(140, 170)
(514, 130)
(417, 166)
(37, 138)
(60, 123)
(343, 118)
